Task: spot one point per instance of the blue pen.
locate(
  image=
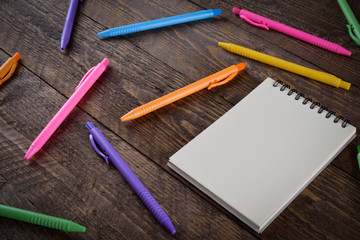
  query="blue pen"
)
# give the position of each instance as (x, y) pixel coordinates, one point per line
(97, 139)
(69, 22)
(158, 23)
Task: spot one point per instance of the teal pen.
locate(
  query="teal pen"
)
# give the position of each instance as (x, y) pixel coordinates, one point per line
(353, 26)
(158, 23)
(40, 219)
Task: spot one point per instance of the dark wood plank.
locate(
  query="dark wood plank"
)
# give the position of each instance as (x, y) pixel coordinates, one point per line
(70, 176)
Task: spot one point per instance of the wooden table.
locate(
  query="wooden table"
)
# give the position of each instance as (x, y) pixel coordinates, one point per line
(68, 179)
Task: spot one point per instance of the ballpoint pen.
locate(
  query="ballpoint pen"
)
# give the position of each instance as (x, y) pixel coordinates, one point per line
(262, 22)
(40, 219)
(353, 26)
(106, 151)
(358, 154)
(137, 27)
(8, 68)
(209, 82)
(85, 84)
(285, 65)
(69, 22)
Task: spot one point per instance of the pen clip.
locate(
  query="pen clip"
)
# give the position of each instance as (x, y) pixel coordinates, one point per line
(261, 24)
(352, 34)
(220, 82)
(97, 150)
(84, 78)
(9, 73)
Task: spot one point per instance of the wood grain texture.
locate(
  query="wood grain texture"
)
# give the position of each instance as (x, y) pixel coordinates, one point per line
(68, 179)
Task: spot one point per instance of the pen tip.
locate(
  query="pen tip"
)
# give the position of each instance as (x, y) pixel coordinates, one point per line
(102, 34)
(221, 44)
(126, 117)
(17, 56)
(74, 227)
(31, 151)
(169, 226)
(63, 44)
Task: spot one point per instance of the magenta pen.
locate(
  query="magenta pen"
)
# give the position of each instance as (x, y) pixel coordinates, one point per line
(262, 22)
(98, 140)
(85, 84)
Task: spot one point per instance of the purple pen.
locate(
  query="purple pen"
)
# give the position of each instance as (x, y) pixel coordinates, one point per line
(69, 22)
(97, 139)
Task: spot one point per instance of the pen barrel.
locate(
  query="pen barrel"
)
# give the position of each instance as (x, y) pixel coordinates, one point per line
(306, 37)
(69, 21)
(293, 32)
(350, 17)
(130, 177)
(58, 118)
(70, 16)
(5, 68)
(325, 44)
(158, 23)
(49, 221)
(69, 105)
(46, 133)
(180, 93)
(148, 108)
(35, 218)
(282, 64)
(153, 206)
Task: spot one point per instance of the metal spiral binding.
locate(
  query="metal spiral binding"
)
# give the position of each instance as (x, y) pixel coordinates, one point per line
(306, 100)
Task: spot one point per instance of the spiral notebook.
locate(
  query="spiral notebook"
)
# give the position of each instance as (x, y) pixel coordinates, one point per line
(263, 152)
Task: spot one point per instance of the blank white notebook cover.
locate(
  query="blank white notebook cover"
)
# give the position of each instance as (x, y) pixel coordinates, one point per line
(262, 153)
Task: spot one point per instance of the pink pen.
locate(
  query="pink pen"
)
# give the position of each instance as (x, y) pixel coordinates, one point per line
(85, 84)
(266, 23)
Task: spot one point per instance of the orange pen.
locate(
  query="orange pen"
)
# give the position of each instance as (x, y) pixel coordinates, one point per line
(8, 67)
(211, 81)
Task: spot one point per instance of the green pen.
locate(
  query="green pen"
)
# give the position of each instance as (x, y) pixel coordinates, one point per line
(353, 26)
(40, 219)
(358, 155)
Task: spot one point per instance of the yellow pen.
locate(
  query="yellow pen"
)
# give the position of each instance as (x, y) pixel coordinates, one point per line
(8, 68)
(285, 65)
(209, 82)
